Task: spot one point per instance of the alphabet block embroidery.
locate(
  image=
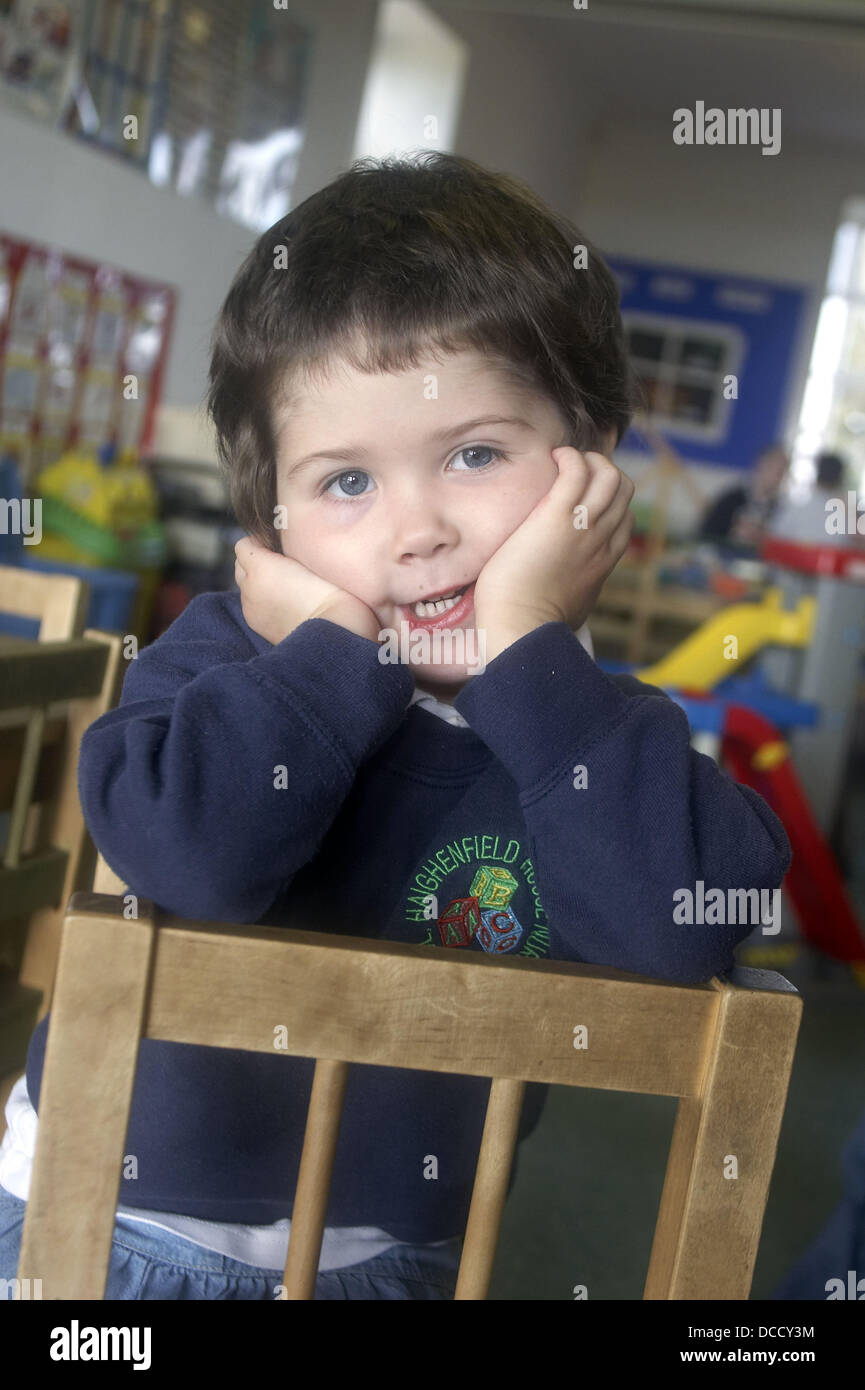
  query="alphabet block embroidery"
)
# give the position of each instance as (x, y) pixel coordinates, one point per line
(466, 900)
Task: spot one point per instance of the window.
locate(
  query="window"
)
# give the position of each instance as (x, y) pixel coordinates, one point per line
(832, 414)
(414, 84)
(682, 364)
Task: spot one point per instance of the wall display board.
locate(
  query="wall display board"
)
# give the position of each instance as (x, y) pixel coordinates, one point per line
(83, 348)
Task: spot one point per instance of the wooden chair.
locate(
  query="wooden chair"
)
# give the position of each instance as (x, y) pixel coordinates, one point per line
(58, 602)
(51, 690)
(725, 1048)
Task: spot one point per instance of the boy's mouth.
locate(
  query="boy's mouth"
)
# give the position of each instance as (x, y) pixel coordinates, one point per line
(444, 610)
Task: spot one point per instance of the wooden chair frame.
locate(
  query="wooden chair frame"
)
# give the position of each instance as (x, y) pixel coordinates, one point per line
(725, 1048)
(51, 690)
(59, 602)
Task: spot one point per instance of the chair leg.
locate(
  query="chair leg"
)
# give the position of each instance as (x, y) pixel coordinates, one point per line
(724, 1144)
(103, 975)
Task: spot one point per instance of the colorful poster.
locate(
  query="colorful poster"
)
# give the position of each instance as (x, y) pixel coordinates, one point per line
(82, 353)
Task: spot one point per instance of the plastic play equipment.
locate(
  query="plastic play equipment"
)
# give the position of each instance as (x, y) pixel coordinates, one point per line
(753, 750)
(703, 659)
(815, 665)
(757, 756)
(829, 671)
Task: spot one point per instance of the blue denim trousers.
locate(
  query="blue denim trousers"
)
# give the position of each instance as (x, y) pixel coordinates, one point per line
(150, 1263)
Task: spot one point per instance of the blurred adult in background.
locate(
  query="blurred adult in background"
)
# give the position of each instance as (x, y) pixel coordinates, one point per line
(806, 521)
(740, 515)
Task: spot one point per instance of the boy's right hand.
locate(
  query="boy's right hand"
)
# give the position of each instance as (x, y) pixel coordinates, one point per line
(278, 593)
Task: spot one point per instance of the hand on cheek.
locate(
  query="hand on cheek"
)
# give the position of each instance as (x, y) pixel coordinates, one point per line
(553, 566)
(278, 593)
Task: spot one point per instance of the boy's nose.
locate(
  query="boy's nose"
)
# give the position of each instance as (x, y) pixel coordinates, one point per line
(423, 535)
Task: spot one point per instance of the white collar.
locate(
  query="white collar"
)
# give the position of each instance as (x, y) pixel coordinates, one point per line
(439, 707)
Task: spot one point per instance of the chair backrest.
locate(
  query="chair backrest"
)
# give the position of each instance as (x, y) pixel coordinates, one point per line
(725, 1048)
(50, 696)
(50, 691)
(58, 601)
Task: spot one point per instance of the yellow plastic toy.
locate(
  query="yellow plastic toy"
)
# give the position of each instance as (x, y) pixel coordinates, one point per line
(709, 655)
(104, 516)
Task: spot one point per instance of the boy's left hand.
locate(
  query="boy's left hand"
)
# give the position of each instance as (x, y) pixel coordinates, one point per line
(552, 568)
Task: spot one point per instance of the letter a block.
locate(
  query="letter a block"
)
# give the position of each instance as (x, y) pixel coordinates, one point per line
(459, 921)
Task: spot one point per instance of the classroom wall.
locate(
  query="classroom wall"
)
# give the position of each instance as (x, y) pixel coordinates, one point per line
(523, 112)
(62, 191)
(722, 208)
(628, 185)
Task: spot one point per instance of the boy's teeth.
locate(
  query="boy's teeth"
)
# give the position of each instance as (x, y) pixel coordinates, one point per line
(429, 608)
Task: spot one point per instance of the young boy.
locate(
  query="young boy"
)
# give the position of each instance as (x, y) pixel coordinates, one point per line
(416, 380)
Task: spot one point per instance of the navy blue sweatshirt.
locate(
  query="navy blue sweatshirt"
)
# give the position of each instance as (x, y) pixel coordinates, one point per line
(393, 825)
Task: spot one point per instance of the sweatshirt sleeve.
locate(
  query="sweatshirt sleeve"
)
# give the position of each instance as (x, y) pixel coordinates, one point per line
(621, 811)
(219, 773)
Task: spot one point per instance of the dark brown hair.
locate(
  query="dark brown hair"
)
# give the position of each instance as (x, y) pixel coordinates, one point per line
(397, 259)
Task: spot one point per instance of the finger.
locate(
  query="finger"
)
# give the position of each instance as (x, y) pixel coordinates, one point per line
(621, 537)
(605, 483)
(567, 457)
(575, 472)
(609, 519)
(247, 548)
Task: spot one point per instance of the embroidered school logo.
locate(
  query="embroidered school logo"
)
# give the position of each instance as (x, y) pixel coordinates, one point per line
(474, 895)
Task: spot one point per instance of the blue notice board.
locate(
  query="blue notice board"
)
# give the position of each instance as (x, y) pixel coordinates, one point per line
(714, 354)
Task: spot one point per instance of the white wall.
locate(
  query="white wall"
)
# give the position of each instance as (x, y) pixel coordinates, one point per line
(523, 111)
(718, 207)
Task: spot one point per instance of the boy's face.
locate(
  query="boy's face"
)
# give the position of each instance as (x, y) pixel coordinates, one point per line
(427, 497)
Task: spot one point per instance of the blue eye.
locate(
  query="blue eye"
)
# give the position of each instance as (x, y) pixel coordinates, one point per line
(481, 449)
(357, 473)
